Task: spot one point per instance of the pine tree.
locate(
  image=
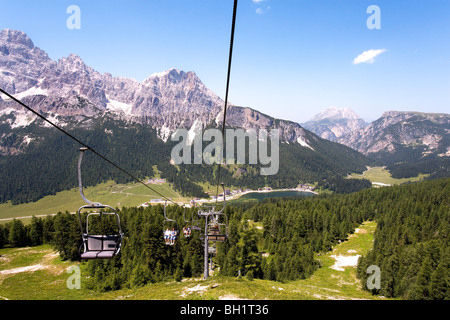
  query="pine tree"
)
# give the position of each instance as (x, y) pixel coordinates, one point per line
(2, 236)
(67, 239)
(248, 255)
(420, 289)
(140, 276)
(439, 286)
(17, 234)
(35, 231)
(178, 275)
(231, 266)
(47, 230)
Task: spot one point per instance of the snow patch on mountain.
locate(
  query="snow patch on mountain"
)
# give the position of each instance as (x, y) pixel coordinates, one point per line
(118, 106)
(160, 74)
(53, 118)
(304, 143)
(22, 119)
(33, 91)
(196, 129)
(27, 140)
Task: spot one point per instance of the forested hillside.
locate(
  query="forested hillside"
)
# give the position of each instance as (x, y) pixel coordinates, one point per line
(436, 168)
(277, 240)
(48, 163)
(411, 244)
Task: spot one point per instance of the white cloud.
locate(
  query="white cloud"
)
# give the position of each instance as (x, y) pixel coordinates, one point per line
(262, 10)
(368, 56)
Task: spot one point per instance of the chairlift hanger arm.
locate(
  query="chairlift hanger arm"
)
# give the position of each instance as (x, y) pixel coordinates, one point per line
(224, 197)
(165, 215)
(80, 182)
(184, 215)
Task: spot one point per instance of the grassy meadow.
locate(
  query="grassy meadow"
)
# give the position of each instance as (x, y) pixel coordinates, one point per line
(382, 176)
(116, 195)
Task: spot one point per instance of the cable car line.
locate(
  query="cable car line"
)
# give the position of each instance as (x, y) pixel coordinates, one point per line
(230, 57)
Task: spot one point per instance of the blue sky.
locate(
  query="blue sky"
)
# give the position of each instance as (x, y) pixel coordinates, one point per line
(292, 58)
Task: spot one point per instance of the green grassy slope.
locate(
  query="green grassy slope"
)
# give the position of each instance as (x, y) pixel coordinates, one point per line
(117, 195)
(381, 175)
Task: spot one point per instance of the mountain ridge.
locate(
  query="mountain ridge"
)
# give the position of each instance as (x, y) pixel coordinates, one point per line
(131, 123)
(167, 100)
(396, 137)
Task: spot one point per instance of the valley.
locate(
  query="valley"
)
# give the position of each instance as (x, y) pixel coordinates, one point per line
(118, 195)
(88, 104)
(380, 192)
(311, 248)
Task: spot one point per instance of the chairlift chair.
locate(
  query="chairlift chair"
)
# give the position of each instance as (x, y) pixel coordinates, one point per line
(216, 224)
(103, 246)
(212, 250)
(187, 229)
(170, 229)
(217, 231)
(191, 225)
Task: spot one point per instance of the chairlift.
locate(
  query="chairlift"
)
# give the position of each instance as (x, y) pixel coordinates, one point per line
(216, 224)
(103, 246)
(170, 229)
(212, 250)
(187, 229)
(191, 225)
(217, 231)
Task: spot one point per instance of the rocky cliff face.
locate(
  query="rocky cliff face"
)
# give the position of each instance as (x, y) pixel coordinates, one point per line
(394, 137)
(424, 132)
(69, 90)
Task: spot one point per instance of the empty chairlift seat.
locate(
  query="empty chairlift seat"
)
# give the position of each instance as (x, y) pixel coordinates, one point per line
(215, 235)
(217, 238)
(101, 246)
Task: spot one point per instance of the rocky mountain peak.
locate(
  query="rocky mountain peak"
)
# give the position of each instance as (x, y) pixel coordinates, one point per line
(72, 63)
(172, 76)
(71, 90)
(402, 133)
(21, 63)
(334, 122)
(8, 36)
(334, 113)
(73, 58)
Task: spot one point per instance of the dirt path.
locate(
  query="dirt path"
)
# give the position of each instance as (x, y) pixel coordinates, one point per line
(44, 264)
(29, 217)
